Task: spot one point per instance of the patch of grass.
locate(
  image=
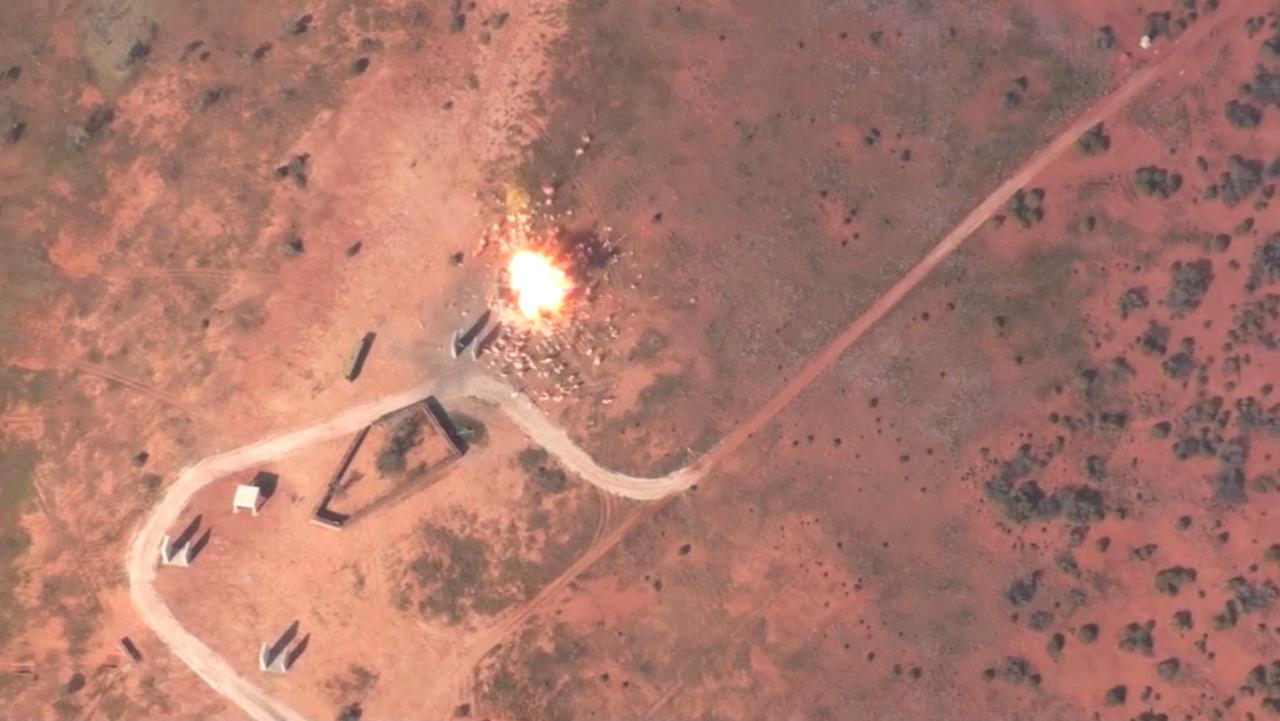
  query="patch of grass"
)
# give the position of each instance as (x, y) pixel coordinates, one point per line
(29, 279)
(16, 483)
(405, 435)
(454, 573)
(544, 474)
(472, 430)
(1095, 141)
(650, 344)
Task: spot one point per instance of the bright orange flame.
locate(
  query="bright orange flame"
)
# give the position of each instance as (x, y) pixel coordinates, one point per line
(539, 285)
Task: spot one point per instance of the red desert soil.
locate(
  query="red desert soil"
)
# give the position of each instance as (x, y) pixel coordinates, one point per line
(422, 578)
(1026, 476)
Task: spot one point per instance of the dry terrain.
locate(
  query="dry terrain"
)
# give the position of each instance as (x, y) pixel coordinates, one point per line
(968, 312)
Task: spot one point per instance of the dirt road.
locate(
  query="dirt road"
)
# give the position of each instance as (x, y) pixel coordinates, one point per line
(143, 551)
(141, 563)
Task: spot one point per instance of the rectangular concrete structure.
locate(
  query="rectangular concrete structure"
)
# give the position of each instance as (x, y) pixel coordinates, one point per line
(246, 498)
(437, 418)
(483, 342)
(170, 556)
(460, 339)
(273, 660)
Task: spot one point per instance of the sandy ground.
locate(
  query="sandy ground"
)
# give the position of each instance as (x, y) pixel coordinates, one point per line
(856, 544)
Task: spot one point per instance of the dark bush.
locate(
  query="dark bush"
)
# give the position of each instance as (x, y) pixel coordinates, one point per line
(1242, 115)
(1136, 638)
(1095, 140)
(1023, 590)
(1265, 266)
(1156, 182)
(1155, 339)
(1116, 696)
(1133, 300)
(1171, 580)
(1081, 504)
(1027, 206)
(1181, 621)
(404, 437)
(1179, 365)
(1189, 283)
(1087, 633)
(545, 474)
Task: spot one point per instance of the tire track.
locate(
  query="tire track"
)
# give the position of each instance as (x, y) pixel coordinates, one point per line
(142, 388)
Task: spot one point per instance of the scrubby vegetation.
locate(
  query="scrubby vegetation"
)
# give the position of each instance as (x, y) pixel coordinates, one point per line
(1015, 670)
(1095, 141)
(1027, 206)
(545, 475)
(1087, 633)
(1133, 300)
(1138, 638)
(16, 478)
(469, 567)
(1241, 180)
(1242, 114)
(1265, 266)
(405, 435)
(1169, 668)
(1171, 581)
(1156, 182)
(1190, 281)
(1116, 695)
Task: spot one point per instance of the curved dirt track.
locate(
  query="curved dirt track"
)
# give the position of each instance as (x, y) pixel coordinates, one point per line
(141, 562)
(537, 426)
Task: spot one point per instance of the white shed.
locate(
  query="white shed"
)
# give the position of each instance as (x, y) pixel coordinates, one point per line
(249, 497)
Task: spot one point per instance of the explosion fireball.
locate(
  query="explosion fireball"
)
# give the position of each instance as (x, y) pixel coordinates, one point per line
(540, 286)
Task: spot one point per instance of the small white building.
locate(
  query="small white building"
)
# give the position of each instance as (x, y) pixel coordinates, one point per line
(248, 497)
